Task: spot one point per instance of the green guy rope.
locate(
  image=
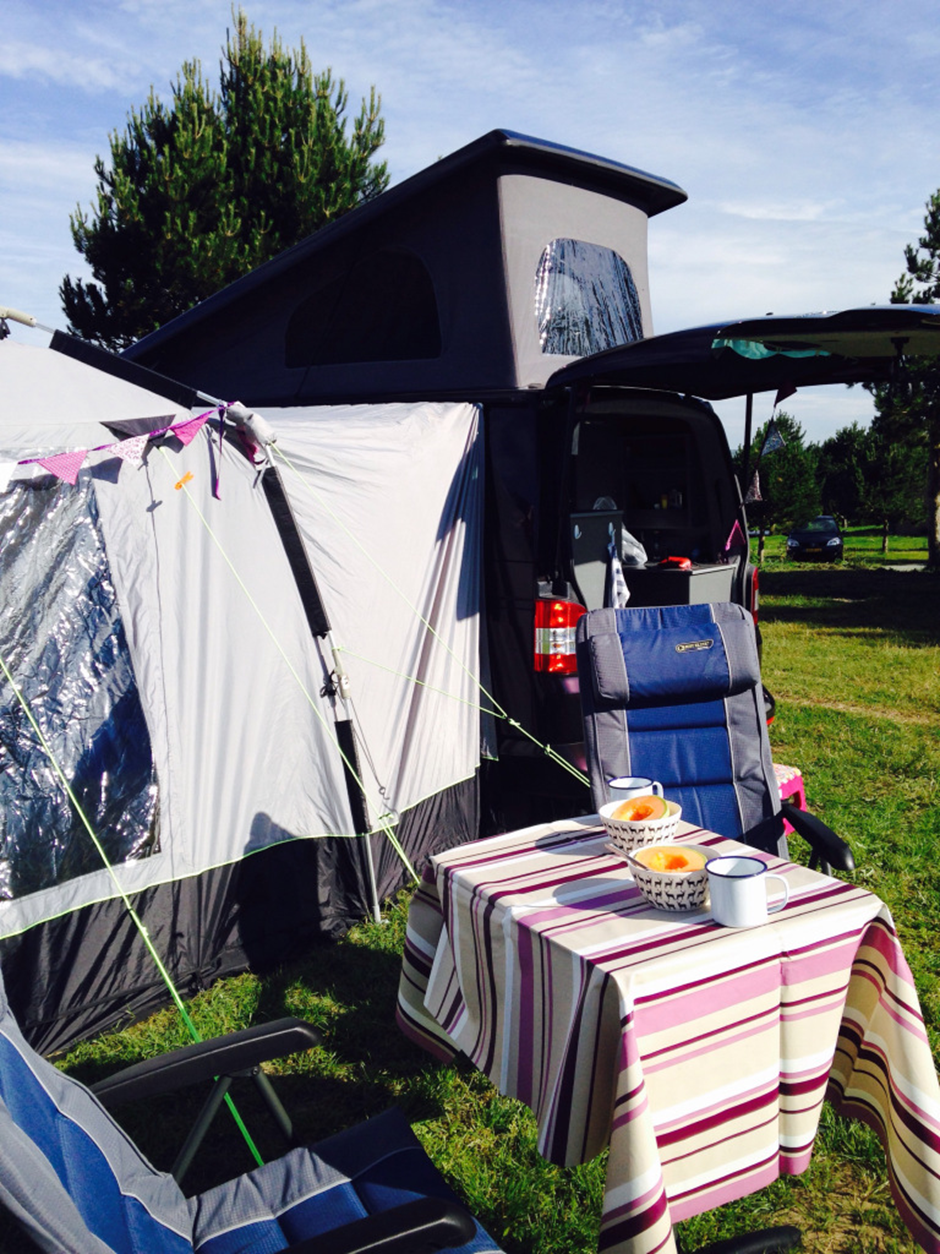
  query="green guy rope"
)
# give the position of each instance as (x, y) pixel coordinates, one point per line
(135, 917)
(381, 823)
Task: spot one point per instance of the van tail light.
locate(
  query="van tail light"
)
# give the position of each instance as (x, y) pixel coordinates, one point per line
(555, 623)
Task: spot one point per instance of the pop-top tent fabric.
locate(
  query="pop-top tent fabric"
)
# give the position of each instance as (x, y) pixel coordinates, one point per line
(157, 622)
(488, 270)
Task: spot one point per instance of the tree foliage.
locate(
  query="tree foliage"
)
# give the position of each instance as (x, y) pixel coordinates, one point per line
(202, 190)
(842, 471)
(788, 487)
(907, 419)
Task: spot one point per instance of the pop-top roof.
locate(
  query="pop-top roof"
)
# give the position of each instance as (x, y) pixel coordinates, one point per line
(466, 277)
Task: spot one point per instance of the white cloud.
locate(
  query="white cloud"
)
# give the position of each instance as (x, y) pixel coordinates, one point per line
(775, 210)
(804, 133)
(27, 168)
(42, 62)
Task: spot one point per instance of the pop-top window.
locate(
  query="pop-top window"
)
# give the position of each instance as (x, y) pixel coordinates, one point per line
(585, 299)
(383, 309)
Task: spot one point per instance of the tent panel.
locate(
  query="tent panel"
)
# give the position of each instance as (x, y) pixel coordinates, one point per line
(53, 402)
(389, 501)
(230, 674)
(75, 976)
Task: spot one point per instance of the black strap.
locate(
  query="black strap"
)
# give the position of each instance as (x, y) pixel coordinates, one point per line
(293, 544)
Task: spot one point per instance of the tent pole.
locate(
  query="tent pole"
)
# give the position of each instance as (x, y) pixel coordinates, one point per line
(748, 419)
(370, 865)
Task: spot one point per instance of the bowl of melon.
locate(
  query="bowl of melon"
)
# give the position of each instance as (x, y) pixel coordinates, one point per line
(642, 820)
(673, 876)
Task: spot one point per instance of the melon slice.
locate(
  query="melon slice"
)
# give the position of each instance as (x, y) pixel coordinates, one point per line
(640, 809)
(675, 858)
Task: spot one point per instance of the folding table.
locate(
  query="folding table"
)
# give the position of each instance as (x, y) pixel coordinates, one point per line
(701, 1055)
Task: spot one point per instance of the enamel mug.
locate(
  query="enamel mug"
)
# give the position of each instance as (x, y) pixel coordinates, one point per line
(737, 886)
(626, 786)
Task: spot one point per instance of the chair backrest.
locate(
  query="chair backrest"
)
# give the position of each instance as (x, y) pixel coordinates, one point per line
(67, 1171)
(674, 693)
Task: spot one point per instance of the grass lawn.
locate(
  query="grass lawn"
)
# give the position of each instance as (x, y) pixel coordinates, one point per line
(862, 547)
(852, 654)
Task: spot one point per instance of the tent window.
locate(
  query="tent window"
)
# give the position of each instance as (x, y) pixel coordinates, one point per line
(62, 637)
(383, 309)
(585, 299)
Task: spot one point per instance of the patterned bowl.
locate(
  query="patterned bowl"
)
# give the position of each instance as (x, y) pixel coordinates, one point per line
(627, 835)
(671, 890)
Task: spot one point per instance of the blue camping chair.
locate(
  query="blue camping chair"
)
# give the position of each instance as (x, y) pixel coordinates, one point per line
(674, 693)
(74, 1181)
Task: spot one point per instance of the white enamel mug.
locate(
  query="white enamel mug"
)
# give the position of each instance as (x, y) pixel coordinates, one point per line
(626, 786)
(737, 885)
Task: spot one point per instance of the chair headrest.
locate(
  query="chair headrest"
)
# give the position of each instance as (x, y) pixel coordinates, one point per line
(668, 655)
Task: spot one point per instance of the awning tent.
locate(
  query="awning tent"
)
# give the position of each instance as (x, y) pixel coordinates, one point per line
(157, 623)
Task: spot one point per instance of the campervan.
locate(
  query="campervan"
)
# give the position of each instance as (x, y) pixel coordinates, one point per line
(479, 279)
(513, 274)
(273, 681)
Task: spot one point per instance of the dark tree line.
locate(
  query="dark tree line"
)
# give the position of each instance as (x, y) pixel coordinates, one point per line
(860, 475)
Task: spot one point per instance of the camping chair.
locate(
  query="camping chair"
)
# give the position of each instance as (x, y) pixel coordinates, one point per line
(674, 693)
(74, 1181)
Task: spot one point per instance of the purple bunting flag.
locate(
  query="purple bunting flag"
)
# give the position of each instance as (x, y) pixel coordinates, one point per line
(65, 465)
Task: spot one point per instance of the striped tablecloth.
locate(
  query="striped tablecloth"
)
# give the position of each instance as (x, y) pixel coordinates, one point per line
(700, 1054)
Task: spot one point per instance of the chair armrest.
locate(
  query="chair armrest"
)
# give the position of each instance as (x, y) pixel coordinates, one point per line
(204, 1060)
(418, 1227)
(828, 848)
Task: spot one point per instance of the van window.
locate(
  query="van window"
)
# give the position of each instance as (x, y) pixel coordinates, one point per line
(585, 299)
(382, 309)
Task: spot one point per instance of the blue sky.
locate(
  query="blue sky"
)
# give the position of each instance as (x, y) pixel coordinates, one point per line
(805, 133)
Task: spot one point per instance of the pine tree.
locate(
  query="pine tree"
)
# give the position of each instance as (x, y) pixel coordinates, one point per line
(908, 409)
(205, 189)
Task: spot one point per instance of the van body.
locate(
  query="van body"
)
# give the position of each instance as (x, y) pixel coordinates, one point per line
(514, 274)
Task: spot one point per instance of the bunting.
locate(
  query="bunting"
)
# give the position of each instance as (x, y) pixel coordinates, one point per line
(66, 465)
(773, 439)
(186, 432)
(737, 538)
(132, 450)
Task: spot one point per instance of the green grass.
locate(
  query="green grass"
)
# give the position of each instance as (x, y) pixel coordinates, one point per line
(862, 547)
(853, 657)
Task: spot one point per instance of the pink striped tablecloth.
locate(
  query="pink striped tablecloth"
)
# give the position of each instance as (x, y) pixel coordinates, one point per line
(700, 1054)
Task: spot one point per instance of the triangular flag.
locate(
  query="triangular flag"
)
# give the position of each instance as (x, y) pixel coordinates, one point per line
(785, 390)
(737, 537)
(773, 439)
(65, 465)
(753, 492)
(186, 432)
(131, 450)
